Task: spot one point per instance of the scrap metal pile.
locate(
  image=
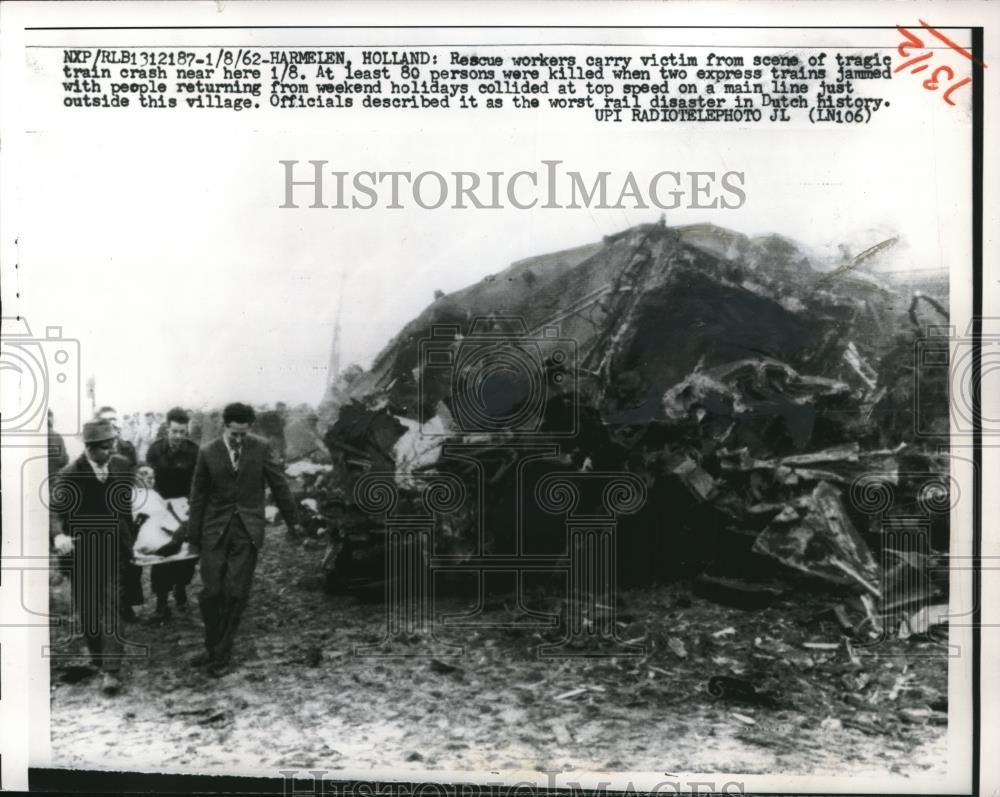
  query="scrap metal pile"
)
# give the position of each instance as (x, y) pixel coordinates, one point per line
(768, 407)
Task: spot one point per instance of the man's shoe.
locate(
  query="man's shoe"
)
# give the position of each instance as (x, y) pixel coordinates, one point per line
(219, 669)
(160, 615)
(110, 685)
(76, 673)
(127, 614)
(202, 659)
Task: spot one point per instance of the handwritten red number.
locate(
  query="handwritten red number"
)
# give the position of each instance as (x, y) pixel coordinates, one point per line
(905, 64)
(958, 85)
(912, 41)
(932, 82)
(944, 72)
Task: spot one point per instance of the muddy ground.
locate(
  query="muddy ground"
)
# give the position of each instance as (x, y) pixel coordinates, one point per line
(300, 698)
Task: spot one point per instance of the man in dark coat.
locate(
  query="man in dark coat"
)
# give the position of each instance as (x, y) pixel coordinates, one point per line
(172, 459)
(131, 580)
(227, 522)
(90, 524)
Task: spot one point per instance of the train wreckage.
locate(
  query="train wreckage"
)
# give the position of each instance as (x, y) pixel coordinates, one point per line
(766, 409)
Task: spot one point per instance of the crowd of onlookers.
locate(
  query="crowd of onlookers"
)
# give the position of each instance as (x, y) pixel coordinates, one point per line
(294, 433)
(142, 430)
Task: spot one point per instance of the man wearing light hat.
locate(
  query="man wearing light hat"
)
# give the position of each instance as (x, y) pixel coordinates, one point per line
(90, 514)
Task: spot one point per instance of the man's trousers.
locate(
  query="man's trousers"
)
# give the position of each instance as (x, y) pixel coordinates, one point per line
(226, 575)
(95, 572)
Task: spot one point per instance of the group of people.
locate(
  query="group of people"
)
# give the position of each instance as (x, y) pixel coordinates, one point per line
(101, 500)
(142, 430)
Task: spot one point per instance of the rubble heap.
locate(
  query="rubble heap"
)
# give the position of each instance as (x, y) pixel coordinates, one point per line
(759, 398)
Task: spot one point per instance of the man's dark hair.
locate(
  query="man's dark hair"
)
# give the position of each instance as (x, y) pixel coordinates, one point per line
(107, 408)
(178, 415)
(238, 413)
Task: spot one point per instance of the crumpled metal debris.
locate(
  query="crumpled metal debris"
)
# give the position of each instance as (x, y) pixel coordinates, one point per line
(822, 541)
(748, 388)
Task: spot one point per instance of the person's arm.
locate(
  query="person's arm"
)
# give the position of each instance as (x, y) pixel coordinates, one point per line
(274, 475)
(199, 494)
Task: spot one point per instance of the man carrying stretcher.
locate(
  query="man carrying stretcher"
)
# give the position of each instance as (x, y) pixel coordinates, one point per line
(171, 460)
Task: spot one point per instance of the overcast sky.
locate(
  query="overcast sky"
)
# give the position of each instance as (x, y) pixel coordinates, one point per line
(157, 241)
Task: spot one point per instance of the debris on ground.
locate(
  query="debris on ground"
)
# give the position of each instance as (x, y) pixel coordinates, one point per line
(355, 710)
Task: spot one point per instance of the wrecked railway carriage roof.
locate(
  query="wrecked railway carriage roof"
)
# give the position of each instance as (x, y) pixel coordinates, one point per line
(647, 306)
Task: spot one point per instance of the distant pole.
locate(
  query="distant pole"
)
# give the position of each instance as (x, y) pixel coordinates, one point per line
(92, 395)
(334, 370)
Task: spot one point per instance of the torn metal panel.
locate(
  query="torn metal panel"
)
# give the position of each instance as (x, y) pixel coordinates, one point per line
(822, 542)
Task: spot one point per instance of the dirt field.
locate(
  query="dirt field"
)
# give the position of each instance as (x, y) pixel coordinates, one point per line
(300, 698)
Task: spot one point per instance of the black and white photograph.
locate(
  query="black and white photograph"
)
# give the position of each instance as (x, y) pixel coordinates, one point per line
(597, 397)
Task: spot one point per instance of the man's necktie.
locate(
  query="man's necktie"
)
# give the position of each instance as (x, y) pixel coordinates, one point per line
(236, 457)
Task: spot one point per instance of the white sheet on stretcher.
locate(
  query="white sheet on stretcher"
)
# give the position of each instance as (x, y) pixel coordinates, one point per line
(164, 518)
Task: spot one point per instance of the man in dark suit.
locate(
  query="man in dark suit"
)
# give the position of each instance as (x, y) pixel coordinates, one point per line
(90, 516)
(227, 522)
